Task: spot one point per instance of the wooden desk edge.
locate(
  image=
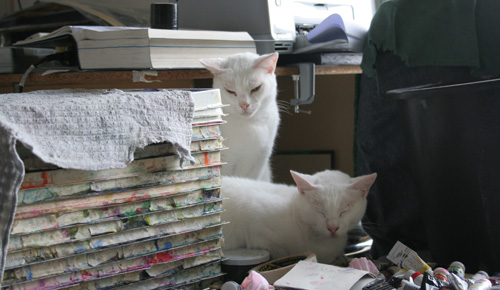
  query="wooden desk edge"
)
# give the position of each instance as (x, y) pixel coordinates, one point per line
(174, 74)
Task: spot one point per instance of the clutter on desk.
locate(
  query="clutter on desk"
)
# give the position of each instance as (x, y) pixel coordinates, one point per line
(402, 269)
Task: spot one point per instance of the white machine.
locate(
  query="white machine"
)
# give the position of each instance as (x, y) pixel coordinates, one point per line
(273, 24)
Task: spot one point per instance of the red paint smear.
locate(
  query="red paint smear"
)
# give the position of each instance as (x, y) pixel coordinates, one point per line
(30, 214)
(160, 258)
(137, 198)
(206, 162)
(152, 167)
(46, 179)
(86, 274)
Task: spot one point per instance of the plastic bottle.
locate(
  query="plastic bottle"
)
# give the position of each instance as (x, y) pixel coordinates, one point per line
(457, 268)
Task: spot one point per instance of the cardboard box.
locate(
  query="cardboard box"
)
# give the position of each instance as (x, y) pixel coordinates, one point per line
(275, 269)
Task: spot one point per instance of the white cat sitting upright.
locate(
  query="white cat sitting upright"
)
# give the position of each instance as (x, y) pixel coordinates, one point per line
(248, 84)
(313, 216)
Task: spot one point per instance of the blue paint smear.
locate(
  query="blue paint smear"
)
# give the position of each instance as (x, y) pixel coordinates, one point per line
(30, 275)
(165, 246)
(98, 244)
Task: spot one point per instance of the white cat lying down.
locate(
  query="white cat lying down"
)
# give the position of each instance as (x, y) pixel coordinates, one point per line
(313, 216)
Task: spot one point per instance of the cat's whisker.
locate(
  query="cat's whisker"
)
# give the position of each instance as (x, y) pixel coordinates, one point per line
(284, 106)
(370, 225)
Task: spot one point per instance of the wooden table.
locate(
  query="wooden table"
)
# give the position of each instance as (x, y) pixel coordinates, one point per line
(185, 78)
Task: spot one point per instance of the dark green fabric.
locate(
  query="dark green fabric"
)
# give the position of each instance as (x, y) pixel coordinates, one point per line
(488, 33)
(436, 33)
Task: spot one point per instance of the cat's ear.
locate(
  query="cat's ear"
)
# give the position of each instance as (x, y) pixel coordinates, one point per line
(214, 65)
(267, 62)
(303, 181)
(363, 183)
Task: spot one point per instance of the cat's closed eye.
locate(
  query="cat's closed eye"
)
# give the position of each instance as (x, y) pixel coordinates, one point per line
(321, 213)
(231, 92)
(256, 88)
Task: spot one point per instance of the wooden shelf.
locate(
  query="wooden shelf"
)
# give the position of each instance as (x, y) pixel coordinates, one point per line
(124, 78)
(321, 70)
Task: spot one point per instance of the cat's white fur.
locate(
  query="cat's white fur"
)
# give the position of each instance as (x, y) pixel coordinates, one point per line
(313, 216)
(248, 84)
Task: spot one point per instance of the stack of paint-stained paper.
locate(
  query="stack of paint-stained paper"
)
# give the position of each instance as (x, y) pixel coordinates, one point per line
(152, 225)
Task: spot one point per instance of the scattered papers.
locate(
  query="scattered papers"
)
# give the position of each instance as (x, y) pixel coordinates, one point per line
(317, 276)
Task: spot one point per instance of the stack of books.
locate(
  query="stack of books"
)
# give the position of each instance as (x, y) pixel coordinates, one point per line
(153, 224)
(111, 47)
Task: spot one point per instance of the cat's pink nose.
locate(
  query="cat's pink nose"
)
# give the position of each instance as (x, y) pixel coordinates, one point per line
(333, 229)
(244, 106)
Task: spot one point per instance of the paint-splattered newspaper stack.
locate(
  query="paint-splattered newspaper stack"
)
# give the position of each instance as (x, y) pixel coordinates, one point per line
(154, 224)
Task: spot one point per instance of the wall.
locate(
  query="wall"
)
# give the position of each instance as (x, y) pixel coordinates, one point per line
(9, 6)
(330, 127)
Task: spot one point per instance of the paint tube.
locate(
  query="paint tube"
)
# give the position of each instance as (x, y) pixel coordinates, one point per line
(441, 274)
(407, 285)
(458, 268)
(457, 282)
(378, 284)
(480, 275)
(417, 278)
(407, 259)
(231, 285)
(481, 284)
(430, 282)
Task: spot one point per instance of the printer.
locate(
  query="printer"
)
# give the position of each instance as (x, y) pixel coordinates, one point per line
(274, 24)
(278, 26)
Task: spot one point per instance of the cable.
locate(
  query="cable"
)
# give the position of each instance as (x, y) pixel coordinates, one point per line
(20, 86)
(67, 57)
(19, 4)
